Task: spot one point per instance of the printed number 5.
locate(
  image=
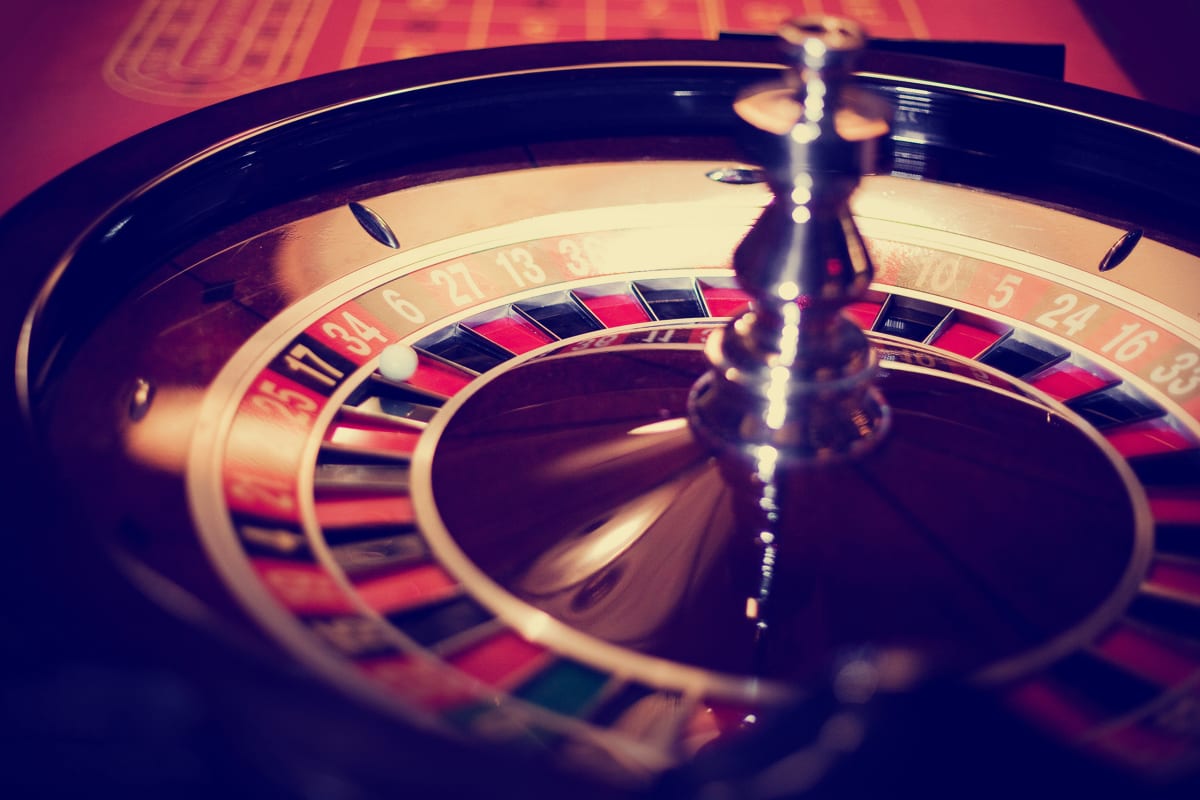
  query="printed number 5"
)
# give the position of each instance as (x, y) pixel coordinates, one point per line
(1004, 292)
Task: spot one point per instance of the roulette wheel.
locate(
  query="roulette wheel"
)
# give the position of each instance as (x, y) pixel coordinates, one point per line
(359, 447)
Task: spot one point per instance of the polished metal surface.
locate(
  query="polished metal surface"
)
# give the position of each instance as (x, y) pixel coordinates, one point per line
(791, 377)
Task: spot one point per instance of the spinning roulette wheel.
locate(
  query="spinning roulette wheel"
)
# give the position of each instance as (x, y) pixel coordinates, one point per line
(365, 409)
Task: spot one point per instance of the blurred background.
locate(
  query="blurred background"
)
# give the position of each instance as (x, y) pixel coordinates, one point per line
(79, 75)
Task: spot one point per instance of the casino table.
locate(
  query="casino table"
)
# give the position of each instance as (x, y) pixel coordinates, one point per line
(83, 76)
(463, 398)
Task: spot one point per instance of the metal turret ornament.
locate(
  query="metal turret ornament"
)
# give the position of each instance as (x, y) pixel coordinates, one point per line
(791, 378)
